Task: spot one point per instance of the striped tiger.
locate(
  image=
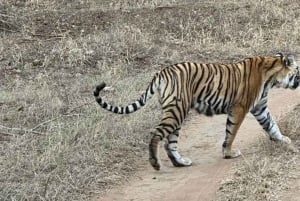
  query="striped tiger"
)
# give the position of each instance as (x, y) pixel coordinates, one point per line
(233, 89)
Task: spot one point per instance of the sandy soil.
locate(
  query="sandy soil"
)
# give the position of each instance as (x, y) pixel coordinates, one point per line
(200, 140)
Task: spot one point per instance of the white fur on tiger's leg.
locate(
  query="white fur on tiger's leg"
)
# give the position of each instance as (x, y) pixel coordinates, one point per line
(286, 139)
(276, 135)
(265, 119)
(175, 157)
(172, 151)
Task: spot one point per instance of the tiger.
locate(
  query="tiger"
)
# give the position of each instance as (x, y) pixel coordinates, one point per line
(211, 89)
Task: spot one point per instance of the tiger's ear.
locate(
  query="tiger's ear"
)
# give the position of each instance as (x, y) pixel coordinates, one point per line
(279, 54)
(291, 61)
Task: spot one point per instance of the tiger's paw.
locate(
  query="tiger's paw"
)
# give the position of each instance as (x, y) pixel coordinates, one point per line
(181, 162)
(231, 154)
(155, 163)
(286, 140)
(177, 160)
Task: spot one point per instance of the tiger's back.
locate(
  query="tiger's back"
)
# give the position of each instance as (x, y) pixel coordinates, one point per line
(210, 88)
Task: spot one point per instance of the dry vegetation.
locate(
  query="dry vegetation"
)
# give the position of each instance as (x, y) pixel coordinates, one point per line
(56, 144)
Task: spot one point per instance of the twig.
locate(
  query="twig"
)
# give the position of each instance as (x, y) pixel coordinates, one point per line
(5, 134)
(47, 36)
(7, 16)
(49, 120)
(32, 130)
(60, 116)
(45, 122)
(8, 30)
(21, 130)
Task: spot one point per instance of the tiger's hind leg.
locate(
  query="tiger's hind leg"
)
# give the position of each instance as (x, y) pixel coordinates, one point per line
(153, 151)
(158, 135)
(172, 151)
(171, 120)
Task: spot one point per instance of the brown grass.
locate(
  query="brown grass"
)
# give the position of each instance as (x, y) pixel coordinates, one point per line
(56, 144)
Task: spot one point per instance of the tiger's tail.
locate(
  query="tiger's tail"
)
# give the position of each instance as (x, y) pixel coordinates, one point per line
(133, 107)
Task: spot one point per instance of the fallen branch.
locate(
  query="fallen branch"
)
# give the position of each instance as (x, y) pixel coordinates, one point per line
(48, 36)
(62, 115)
(21, 130)
(5, 134)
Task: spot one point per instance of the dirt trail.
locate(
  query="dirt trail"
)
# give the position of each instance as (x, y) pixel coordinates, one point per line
(200, 140)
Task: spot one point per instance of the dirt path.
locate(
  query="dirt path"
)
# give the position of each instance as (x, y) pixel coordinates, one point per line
(200, 140)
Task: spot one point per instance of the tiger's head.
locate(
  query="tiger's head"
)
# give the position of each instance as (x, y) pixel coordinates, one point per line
(285, 72)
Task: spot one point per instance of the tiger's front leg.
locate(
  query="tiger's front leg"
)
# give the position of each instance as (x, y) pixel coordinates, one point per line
(263, 116)
(234, 121)
(172, 151)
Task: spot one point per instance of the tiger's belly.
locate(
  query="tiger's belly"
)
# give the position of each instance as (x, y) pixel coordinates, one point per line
(210, 109)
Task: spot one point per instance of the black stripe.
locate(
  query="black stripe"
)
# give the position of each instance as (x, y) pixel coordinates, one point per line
(209, 72)
(161, 131)
(194, 76)
(142, 103)
(237, 78)
(167, 125)
(217, 106)
(175, 117)
(180, 114)
(200, 94)
(228, 85)
(200, 79)
(224, 107)
(263, 121)
(229, 123)
(228, 131)
(104, 105)
(134, 106)
(152, 83)
(168, 105)
(260, 111)
(189, 73)
(99, 100)
(224, 145)
(116, 110)
(220, 69)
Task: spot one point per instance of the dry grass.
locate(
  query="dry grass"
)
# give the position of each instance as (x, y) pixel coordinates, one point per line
(56, 144)
(264, 175)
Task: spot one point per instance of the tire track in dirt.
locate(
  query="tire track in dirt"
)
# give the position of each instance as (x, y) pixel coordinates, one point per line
(200, 139)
